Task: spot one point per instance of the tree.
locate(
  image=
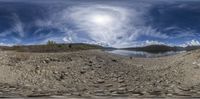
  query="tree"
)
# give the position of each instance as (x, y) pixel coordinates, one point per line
(51, 42)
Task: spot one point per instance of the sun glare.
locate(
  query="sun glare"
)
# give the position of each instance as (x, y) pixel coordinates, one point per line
(101, 20)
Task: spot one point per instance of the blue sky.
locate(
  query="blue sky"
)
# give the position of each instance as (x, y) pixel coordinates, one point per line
(115, 23)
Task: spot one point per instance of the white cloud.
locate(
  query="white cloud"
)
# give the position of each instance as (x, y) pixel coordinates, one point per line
(192, 43)
(151, 42)
(18, 26)
(121, 28)
(5, 44)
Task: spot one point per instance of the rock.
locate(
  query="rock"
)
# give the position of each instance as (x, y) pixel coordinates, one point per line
(76, 94)
(100, 81)
(69, 59)
(112, 90)
(121, 91)
(83, 71)
(194, 63)
(134, 93)
(108, 85)
(123, 85)
(46, 61)
(90, 62)
(121, 81)
(99, 93)
(114, 60)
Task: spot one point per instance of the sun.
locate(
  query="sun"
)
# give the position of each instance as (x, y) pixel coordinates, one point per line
(101, 20)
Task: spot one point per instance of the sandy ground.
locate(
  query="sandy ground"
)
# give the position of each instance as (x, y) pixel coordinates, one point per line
(97, 73)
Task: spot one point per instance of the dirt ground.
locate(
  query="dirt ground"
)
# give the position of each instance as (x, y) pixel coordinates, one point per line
(97, 73)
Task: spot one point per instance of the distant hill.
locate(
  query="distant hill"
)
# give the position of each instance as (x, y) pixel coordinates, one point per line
(161, 48)
(52, 47)
(189, 48)
(83, 46)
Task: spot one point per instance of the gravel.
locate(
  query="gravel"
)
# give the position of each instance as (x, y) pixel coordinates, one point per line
(97, 73)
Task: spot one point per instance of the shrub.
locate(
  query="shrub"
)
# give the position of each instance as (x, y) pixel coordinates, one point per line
(51, 42)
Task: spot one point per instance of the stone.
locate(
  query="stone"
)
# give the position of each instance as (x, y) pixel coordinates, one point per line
(46, 61)
(100, 81)
(108, 85)
(121, 81)
(83, 71)
(114, 60)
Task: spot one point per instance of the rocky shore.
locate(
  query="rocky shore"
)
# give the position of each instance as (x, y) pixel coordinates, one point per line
(96, 73)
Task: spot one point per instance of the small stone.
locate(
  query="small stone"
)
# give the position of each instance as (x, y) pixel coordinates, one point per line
(108, 85)
(169, 94)
(83, 71)
(90, 62)
(69, 59)
(100, 81)
(121, 91)
(114, 60)
(194, 63)
(55, 72)
(46, 61)
(99, 91)
(120, 81)
(123, 85)
(76, 94)
(112, 90)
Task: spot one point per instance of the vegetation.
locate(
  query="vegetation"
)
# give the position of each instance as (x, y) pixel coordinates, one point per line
(51, 42)
(51, 46)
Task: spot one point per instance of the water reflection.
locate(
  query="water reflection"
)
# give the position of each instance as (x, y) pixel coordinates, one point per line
(142, 53)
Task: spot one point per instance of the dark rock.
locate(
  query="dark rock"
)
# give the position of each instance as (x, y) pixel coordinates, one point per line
(83, 71)
(114, 60)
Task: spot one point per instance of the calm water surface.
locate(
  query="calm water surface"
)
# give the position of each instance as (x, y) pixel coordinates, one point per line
(142, 53)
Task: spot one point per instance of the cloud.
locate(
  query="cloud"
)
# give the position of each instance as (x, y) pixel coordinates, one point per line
(5, 44)
(192, 43)
(124, 28)
(16, 27)
(148, 42)
(107, 23)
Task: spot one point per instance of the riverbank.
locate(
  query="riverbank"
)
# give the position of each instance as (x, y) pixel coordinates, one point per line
(97, 73)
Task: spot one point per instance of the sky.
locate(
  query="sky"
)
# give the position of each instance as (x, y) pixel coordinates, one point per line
(112, 23)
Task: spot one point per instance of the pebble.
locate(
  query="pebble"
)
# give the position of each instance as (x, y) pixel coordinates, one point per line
(76, 93)
(114, 60)
(83, 71)
(108, 85)
(121, 81)
(46, 61)
(100, 81)
(123, 85)
(99, 91)
(121, 91)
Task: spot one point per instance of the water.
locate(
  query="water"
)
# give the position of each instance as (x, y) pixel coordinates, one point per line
(142, 53)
